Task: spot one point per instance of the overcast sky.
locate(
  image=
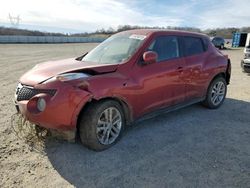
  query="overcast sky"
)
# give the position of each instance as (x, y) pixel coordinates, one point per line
(89, 15)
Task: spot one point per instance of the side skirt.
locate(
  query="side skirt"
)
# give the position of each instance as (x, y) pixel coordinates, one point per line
(168, 109)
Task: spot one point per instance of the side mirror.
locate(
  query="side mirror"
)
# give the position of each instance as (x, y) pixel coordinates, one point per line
(150, 57)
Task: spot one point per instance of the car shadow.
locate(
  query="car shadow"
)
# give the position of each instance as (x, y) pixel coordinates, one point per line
(232, 48)
(194, 146)
(248, 74)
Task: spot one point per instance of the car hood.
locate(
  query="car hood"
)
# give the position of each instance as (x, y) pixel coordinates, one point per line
(44, 71)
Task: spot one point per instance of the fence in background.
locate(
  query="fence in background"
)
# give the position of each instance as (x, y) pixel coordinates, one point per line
(47, 39)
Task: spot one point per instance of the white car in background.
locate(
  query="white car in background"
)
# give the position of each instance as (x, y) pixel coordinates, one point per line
(245, 63)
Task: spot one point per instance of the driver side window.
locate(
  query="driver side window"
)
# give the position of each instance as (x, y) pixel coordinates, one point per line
(166, 47)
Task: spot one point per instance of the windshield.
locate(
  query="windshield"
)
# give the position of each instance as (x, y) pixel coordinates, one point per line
(116, 49)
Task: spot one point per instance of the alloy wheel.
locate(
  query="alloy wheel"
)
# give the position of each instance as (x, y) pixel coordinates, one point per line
(218, 93)
(109, 126)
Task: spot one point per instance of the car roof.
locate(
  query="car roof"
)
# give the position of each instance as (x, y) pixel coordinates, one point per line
(164, 31)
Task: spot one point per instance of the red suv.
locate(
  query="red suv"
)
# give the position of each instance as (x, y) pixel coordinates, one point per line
(127, 77)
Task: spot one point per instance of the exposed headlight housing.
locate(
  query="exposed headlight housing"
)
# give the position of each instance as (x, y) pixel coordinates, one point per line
(67, 77)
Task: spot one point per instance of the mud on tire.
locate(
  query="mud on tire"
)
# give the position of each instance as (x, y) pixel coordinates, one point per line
(99, 122)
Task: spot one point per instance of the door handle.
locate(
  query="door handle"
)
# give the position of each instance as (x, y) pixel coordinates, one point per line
(180, 69)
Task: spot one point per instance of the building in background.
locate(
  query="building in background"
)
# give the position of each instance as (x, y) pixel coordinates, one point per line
(240, 39)
(248, 40)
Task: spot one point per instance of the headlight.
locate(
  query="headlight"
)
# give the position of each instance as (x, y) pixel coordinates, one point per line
(67, 77)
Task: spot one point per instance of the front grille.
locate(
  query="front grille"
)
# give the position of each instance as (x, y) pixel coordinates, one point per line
(26, 93)
(247, 55)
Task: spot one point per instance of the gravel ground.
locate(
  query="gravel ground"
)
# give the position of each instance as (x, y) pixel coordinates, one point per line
(191, 147)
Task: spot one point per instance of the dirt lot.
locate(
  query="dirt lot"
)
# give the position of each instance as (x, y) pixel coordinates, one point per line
(192, 147)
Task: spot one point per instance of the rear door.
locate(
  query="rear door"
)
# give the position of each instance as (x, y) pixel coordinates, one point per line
(195, 57)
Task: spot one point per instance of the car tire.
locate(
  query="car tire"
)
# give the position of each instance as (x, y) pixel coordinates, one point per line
(98, 127)
(216, 93)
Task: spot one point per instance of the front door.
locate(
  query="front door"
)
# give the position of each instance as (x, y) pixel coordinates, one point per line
(161, 83)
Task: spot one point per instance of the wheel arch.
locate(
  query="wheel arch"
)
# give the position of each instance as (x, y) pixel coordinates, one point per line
(226, 75)
(125, 107)
(220, 74)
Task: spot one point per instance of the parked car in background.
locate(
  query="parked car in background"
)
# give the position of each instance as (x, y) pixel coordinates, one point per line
(128, 76)
(218, 42)
(245, 63)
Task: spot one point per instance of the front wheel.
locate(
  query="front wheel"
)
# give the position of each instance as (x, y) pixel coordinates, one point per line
(101, 125)
(216, 93)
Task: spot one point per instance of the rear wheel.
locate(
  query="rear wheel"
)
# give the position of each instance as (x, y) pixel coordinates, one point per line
(216, 93)
(101, 125)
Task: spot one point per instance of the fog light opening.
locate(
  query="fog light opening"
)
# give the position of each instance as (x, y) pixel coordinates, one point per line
(41, 104)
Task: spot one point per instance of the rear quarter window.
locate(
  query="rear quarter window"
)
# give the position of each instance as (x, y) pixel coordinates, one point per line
(193, 46)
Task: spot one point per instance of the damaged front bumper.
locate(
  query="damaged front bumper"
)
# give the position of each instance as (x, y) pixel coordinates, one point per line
(59, 112)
